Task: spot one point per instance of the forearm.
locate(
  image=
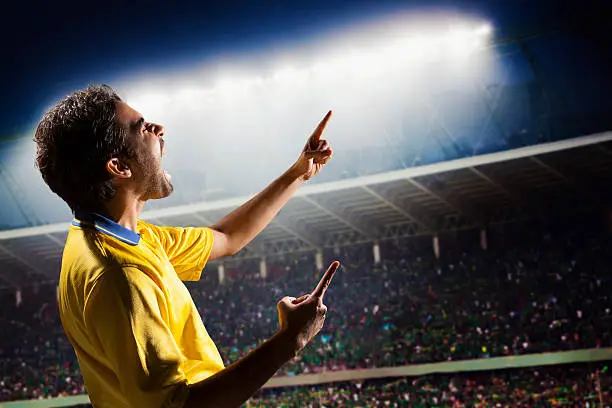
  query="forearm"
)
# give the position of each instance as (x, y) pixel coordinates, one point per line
(243, 224)
(235, 384)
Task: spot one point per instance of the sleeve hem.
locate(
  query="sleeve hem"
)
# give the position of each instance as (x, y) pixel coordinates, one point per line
(197, 273)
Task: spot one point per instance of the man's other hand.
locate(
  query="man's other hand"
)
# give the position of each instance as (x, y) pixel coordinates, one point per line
(302, 318)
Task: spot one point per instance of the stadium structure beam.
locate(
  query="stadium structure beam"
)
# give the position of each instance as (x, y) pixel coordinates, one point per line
(403, 174)
(286, 225)
(11, 283)
(288, 246)
(403, 230)
(257, 247)
(568, 179)
(497, 184)
(245, 253)
(399, 207)
(271, 249)
(411, 229)
(552, 170)
(604, 149)
(56, 240)
(22, 261)
(345, 238)
(343, 217)
(441, 195)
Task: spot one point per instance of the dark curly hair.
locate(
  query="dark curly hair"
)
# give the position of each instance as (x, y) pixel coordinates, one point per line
(74, 140)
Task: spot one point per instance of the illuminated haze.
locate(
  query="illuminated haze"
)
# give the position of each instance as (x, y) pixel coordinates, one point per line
(235, 124)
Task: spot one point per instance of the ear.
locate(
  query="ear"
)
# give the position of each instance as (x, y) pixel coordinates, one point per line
(118, 168)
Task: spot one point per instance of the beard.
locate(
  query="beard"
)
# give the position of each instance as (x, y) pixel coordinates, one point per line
(155, 181)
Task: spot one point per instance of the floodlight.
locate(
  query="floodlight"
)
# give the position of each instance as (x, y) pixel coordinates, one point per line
(484, 30)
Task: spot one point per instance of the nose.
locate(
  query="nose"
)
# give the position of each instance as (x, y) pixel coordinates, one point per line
(158, 130)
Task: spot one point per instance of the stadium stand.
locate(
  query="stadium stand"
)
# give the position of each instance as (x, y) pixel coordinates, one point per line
(521, 288)
(530, 292)
(575, 385)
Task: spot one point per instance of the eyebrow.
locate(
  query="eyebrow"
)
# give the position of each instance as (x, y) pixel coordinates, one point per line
(137, 124)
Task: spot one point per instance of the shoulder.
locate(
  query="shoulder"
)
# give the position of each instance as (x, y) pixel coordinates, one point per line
(172, 235)
(123, 283)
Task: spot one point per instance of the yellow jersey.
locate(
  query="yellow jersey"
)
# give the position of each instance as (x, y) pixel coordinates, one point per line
(137, 334)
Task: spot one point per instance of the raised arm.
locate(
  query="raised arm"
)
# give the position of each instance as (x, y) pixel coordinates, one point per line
(239, 227)
(300, 320)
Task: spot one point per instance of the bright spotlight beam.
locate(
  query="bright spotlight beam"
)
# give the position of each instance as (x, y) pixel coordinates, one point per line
(408, 51)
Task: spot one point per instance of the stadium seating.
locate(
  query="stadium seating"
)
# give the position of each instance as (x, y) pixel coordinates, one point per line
(528, 293)
(577, 385)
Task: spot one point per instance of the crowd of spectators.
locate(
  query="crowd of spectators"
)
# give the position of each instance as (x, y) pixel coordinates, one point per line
(530, 295)
(529, 292)
(582, 386)
(36, 359)
(576, 385)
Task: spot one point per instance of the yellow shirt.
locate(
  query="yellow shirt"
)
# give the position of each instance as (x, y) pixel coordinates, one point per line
(134, 327)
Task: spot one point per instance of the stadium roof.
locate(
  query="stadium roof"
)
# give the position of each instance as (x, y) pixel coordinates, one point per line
(465, 193)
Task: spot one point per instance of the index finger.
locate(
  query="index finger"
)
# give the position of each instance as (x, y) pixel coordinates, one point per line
(313, 140)
(325, 280)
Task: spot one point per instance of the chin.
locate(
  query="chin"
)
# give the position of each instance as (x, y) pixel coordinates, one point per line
(169, 190)
(166, 191)
(162, 190)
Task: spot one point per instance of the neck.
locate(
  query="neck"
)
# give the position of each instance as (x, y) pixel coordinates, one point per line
(123, 210)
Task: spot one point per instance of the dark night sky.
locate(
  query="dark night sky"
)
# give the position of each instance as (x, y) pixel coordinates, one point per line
(51, 48)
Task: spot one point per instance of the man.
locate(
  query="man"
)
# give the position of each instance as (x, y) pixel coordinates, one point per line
(136, 332)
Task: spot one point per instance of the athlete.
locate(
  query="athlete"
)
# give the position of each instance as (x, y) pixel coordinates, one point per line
(137, 334)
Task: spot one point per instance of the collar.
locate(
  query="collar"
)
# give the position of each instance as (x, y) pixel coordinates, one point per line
(106, 226)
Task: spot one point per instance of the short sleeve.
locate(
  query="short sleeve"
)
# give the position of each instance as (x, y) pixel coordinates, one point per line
(188, 249)
(126, 315)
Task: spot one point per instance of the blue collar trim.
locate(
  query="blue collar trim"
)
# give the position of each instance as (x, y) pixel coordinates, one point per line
(106, 226)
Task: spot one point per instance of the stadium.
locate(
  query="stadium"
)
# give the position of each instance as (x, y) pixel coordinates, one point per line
(471, 215)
